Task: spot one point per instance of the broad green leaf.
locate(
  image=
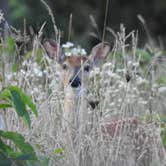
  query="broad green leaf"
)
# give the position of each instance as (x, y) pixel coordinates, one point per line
(20, 106)
(15, 97)
(18, 103)
(12, 96)
(4, 160)
(5, 148)
(25, 148)
(25, 98)
(23, 156)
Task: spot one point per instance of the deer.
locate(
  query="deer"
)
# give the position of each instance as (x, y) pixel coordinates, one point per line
(76, 122)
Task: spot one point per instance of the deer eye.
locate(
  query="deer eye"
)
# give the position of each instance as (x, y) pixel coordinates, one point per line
(64, 67)
(87, 68)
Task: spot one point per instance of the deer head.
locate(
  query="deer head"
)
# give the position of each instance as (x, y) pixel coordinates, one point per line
(76, 68)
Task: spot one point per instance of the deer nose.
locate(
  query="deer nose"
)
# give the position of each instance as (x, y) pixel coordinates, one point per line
(76, 82)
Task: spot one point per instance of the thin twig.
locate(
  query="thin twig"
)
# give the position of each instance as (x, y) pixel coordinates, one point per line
(70, 27)
(105, 20)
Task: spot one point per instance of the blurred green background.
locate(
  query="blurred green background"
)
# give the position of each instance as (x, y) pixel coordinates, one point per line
(120, 11)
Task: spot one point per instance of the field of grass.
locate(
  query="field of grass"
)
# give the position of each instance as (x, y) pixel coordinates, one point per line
(130, 84)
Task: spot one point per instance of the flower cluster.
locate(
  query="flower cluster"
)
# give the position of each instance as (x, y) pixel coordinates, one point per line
(70, 49)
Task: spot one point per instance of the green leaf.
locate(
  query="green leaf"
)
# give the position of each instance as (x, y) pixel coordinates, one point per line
(27, 119)
(11, 45)
(5, 148)
(15, 97)
(15, 67)
(5, 94)
(145, 56)
(19, 105)
(27, 55)
(4, 160)
(25, 98)
(161, 80)
(39, 56)
(27, 151)
(5, 105)
(58, 151)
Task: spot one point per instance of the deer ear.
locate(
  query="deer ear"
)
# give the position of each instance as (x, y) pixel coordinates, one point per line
(54, 50)
(99, 53)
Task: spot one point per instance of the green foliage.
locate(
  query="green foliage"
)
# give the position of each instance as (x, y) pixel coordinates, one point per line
(15, 97)
(145, 57)
(25, 150)
(18, 151)
(58, 151)
(18, 9)
(10, 45)
(161, 80)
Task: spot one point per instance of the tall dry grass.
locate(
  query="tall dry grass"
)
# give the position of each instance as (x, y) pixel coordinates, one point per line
(142, 96)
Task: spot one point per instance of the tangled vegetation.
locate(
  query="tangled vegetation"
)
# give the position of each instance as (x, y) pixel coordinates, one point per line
(132, 83)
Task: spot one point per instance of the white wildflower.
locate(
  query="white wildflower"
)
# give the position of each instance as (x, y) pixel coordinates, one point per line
(71, 50)
(75, 51)
(136, 64)
(37, 72)
(143, 102)
(108, 66)
(9, 76)
(119, 100)
(22, 71)
(35, 65)
(78, 51)
(112, 104)
(45, 71)
(162, 90)
(83, 52)
(129, 63)
(25, 63)
(1, 16)
(68, 45)
(121, 84)
(68, 53)
(94, 72)
(141, 81)
(35, 90)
